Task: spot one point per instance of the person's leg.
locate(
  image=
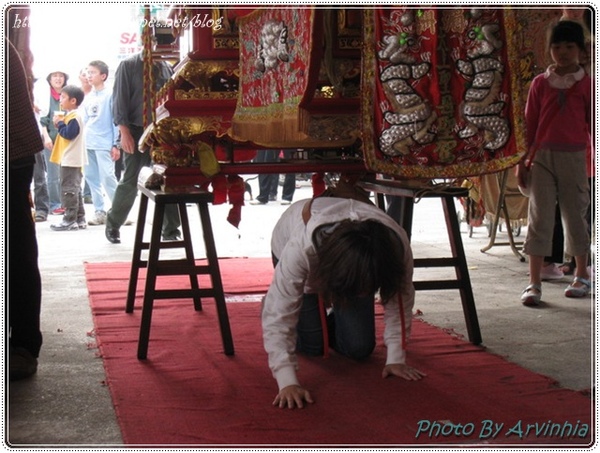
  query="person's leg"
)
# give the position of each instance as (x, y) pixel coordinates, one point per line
(53, 180)
(92, 177)
(87, 193)
(310, 329)
(71, 191)
(264, 180)
(24, 281)
(40, 188)
(77, 179)
(126, 191)
(550, 270)
(542, 207)
(119, 167)
(273, 179)
(107, 175)
(574, 199)
(355, 328)
(289, 182)
(171, 223)
(289, 187)
(541, 212)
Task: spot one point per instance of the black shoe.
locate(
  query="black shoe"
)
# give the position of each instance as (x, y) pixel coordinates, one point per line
(113, 235)
(21, 364)
(172, 237)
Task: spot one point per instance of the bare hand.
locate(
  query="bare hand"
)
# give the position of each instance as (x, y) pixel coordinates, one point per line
(115, 154)
(521, 173)
(127, 142)
(292, 396)
(402, 370)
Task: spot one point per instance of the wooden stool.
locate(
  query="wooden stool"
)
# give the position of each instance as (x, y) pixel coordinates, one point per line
(187, 266)
(458, 259)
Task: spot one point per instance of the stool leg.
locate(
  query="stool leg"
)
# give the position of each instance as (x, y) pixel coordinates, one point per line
(159, 211)
(189, 253)
(462, 271)
(137, 253)
(215, 273)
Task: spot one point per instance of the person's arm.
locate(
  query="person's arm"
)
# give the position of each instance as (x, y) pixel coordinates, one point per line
(398, 324)
(532, 115)
(68, 130)
(281, 309)
(121, 95)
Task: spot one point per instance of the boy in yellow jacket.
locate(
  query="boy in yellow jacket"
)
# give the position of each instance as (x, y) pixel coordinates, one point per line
(69, 152)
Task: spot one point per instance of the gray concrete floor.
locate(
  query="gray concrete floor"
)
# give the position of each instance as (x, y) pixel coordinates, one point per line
(68, 404)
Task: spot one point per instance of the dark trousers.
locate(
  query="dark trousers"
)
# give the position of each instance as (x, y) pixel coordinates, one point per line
(24, 281)
(71, 195)
(127, 191)
(268, 183)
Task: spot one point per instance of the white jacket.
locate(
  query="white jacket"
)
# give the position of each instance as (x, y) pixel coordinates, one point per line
(292, 244)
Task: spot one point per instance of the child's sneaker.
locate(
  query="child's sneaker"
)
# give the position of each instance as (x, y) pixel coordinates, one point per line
(99, 218)
(551, 272)
(65, 226)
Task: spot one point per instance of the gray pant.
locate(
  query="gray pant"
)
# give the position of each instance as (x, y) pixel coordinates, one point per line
(72, 198)
(558, 176)
(40, 186)
(127, 191)
(53, 180)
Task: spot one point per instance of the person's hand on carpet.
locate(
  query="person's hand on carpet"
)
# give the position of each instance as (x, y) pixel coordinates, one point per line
(292, 396)
(402, 370)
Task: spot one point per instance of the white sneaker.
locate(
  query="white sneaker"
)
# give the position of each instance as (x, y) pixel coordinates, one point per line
(551, 272)
(99, 219)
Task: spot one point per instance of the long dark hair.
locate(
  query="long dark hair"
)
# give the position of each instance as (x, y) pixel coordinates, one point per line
(357, 259)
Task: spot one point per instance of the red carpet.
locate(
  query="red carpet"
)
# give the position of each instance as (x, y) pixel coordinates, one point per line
(188, 392)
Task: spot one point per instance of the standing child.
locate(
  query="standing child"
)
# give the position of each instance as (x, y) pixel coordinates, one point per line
(69, 152)
(101, 136)
(559, 121)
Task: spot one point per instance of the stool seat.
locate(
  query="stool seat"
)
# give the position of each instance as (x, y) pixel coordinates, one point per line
(180, 196)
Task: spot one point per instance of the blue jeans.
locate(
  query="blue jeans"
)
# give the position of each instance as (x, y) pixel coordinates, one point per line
(99, 173)
(53, 180)
(351, 327)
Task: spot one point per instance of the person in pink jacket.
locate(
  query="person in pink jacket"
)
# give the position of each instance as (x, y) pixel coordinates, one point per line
(346, 251)
(559, 123)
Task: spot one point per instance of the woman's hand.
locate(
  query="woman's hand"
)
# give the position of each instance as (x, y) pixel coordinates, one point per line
(402, 370)
(521, 174)
(292, 396)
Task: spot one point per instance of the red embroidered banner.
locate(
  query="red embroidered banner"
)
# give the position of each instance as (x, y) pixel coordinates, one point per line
(279, 63)
(440, 97)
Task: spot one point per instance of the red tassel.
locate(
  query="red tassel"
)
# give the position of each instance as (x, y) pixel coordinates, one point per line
(235, 189)
(318, 184)
(235, 215)
(235, 192)
(219, 184)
